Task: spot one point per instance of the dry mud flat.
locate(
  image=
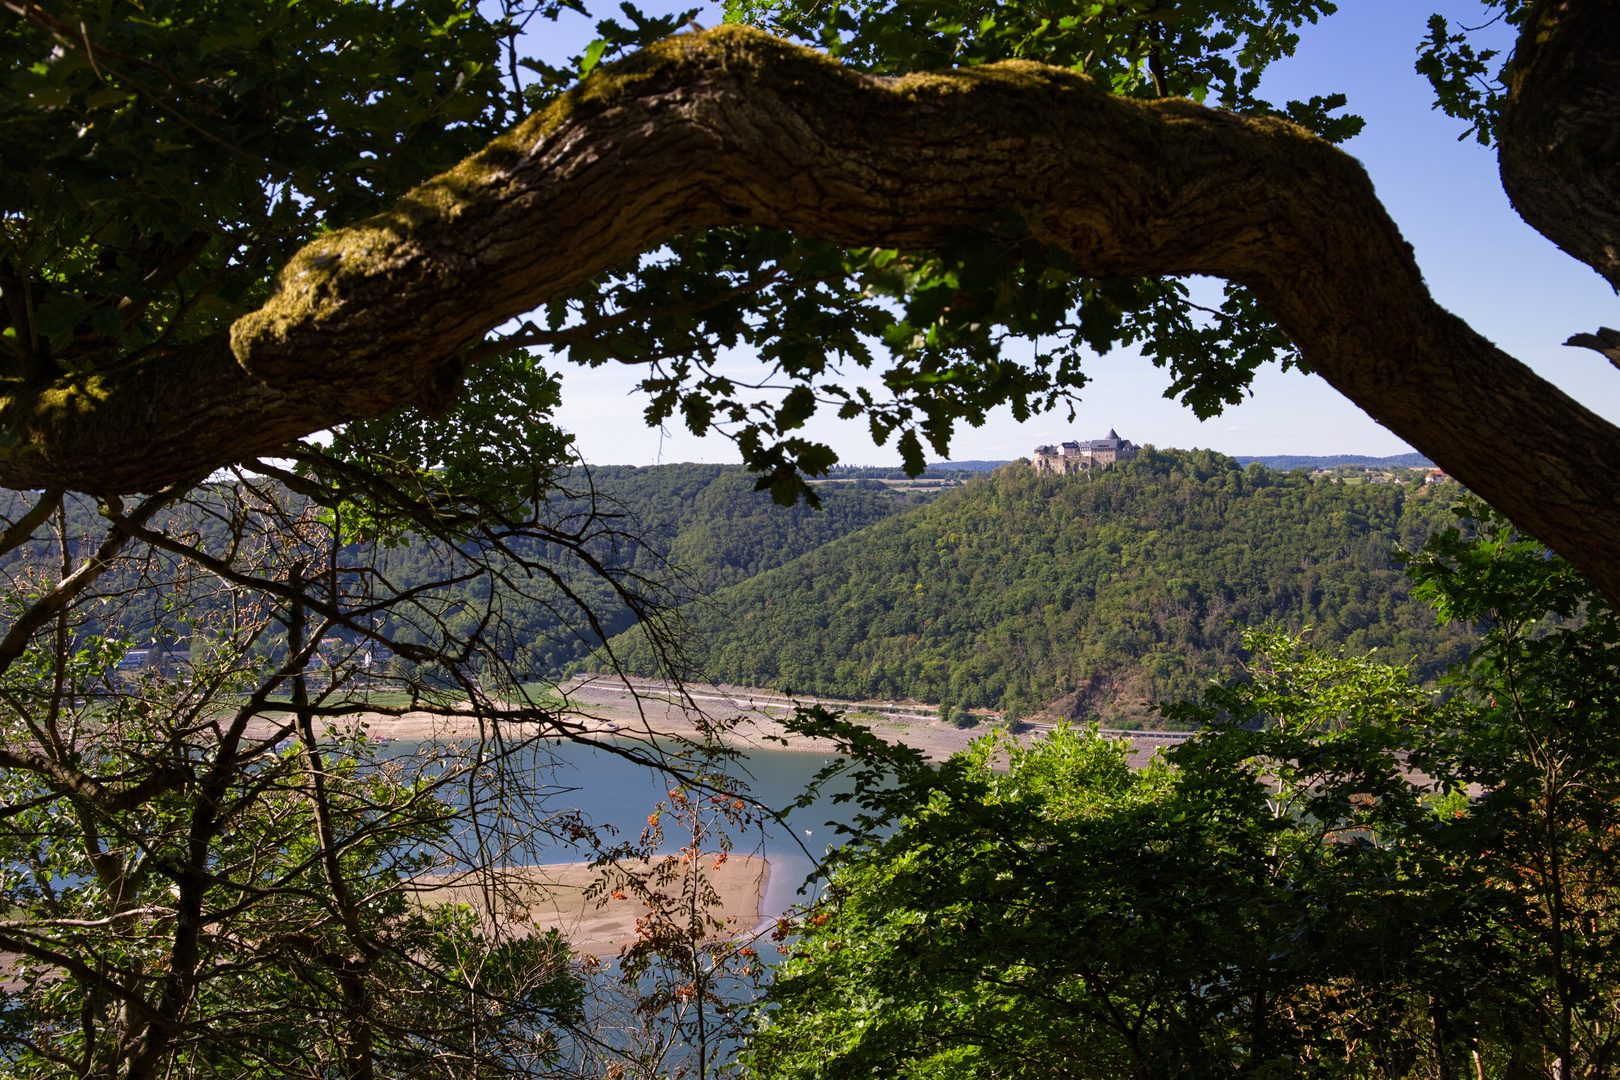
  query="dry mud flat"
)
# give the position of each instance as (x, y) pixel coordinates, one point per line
(743, 718)
(602, 708)
(534, 899)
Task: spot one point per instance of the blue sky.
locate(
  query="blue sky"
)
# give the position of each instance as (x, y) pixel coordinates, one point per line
(1480, 260)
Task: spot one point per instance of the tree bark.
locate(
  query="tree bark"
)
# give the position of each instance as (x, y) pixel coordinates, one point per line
(733, 126)
(1559, 139)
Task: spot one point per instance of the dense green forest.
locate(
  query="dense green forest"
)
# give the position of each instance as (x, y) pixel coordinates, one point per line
(710, 522)
(688, 530)
(1082, 597)
(1086, 597)
(1288, 462)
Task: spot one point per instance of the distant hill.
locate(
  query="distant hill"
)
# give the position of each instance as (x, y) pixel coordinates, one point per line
(938, 470)
(1080, 596)
(943, 471)
(1286, 462)
(709, 520)
(701, 527)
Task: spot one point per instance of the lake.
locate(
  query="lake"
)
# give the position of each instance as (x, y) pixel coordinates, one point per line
(611, 791)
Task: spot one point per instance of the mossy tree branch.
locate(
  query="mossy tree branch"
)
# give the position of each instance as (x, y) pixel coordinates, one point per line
(733, 126)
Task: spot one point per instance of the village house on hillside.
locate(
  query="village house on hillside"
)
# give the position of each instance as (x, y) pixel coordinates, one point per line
(1080, 457)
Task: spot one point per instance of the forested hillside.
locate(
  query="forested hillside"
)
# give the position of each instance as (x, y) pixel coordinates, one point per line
(1086, 596)
(691, 529)
(709, 521)
(1288, 462)
(698, 528)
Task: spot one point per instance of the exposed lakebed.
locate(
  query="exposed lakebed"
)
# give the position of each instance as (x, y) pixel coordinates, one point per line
(613, 793)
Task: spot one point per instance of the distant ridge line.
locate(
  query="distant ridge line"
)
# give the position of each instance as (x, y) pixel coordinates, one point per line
(1287, 462)
(1280, 462)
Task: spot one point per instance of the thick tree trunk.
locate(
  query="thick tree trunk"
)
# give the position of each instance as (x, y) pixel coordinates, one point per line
(733, 126)
(1559, 140)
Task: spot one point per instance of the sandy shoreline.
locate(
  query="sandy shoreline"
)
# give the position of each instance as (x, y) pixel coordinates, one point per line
(533, 899)
(526, 900)
(745, 718)
(600, 708)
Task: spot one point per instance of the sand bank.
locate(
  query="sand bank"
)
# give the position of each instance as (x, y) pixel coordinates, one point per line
(602, 708)
(747, 718)
(534, 899)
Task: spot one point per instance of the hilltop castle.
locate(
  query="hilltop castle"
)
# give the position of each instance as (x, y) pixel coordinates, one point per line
(1080, 457)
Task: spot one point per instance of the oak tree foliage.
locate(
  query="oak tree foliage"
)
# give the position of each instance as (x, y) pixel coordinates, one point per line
(299, 119)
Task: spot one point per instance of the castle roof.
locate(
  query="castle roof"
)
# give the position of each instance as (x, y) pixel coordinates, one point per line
(1072, 447)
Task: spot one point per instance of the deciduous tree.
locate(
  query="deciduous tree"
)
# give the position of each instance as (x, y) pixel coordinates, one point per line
(1008, 197)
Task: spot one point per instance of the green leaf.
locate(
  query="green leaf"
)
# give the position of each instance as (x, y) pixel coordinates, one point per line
(593, 56)
(797, 407)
